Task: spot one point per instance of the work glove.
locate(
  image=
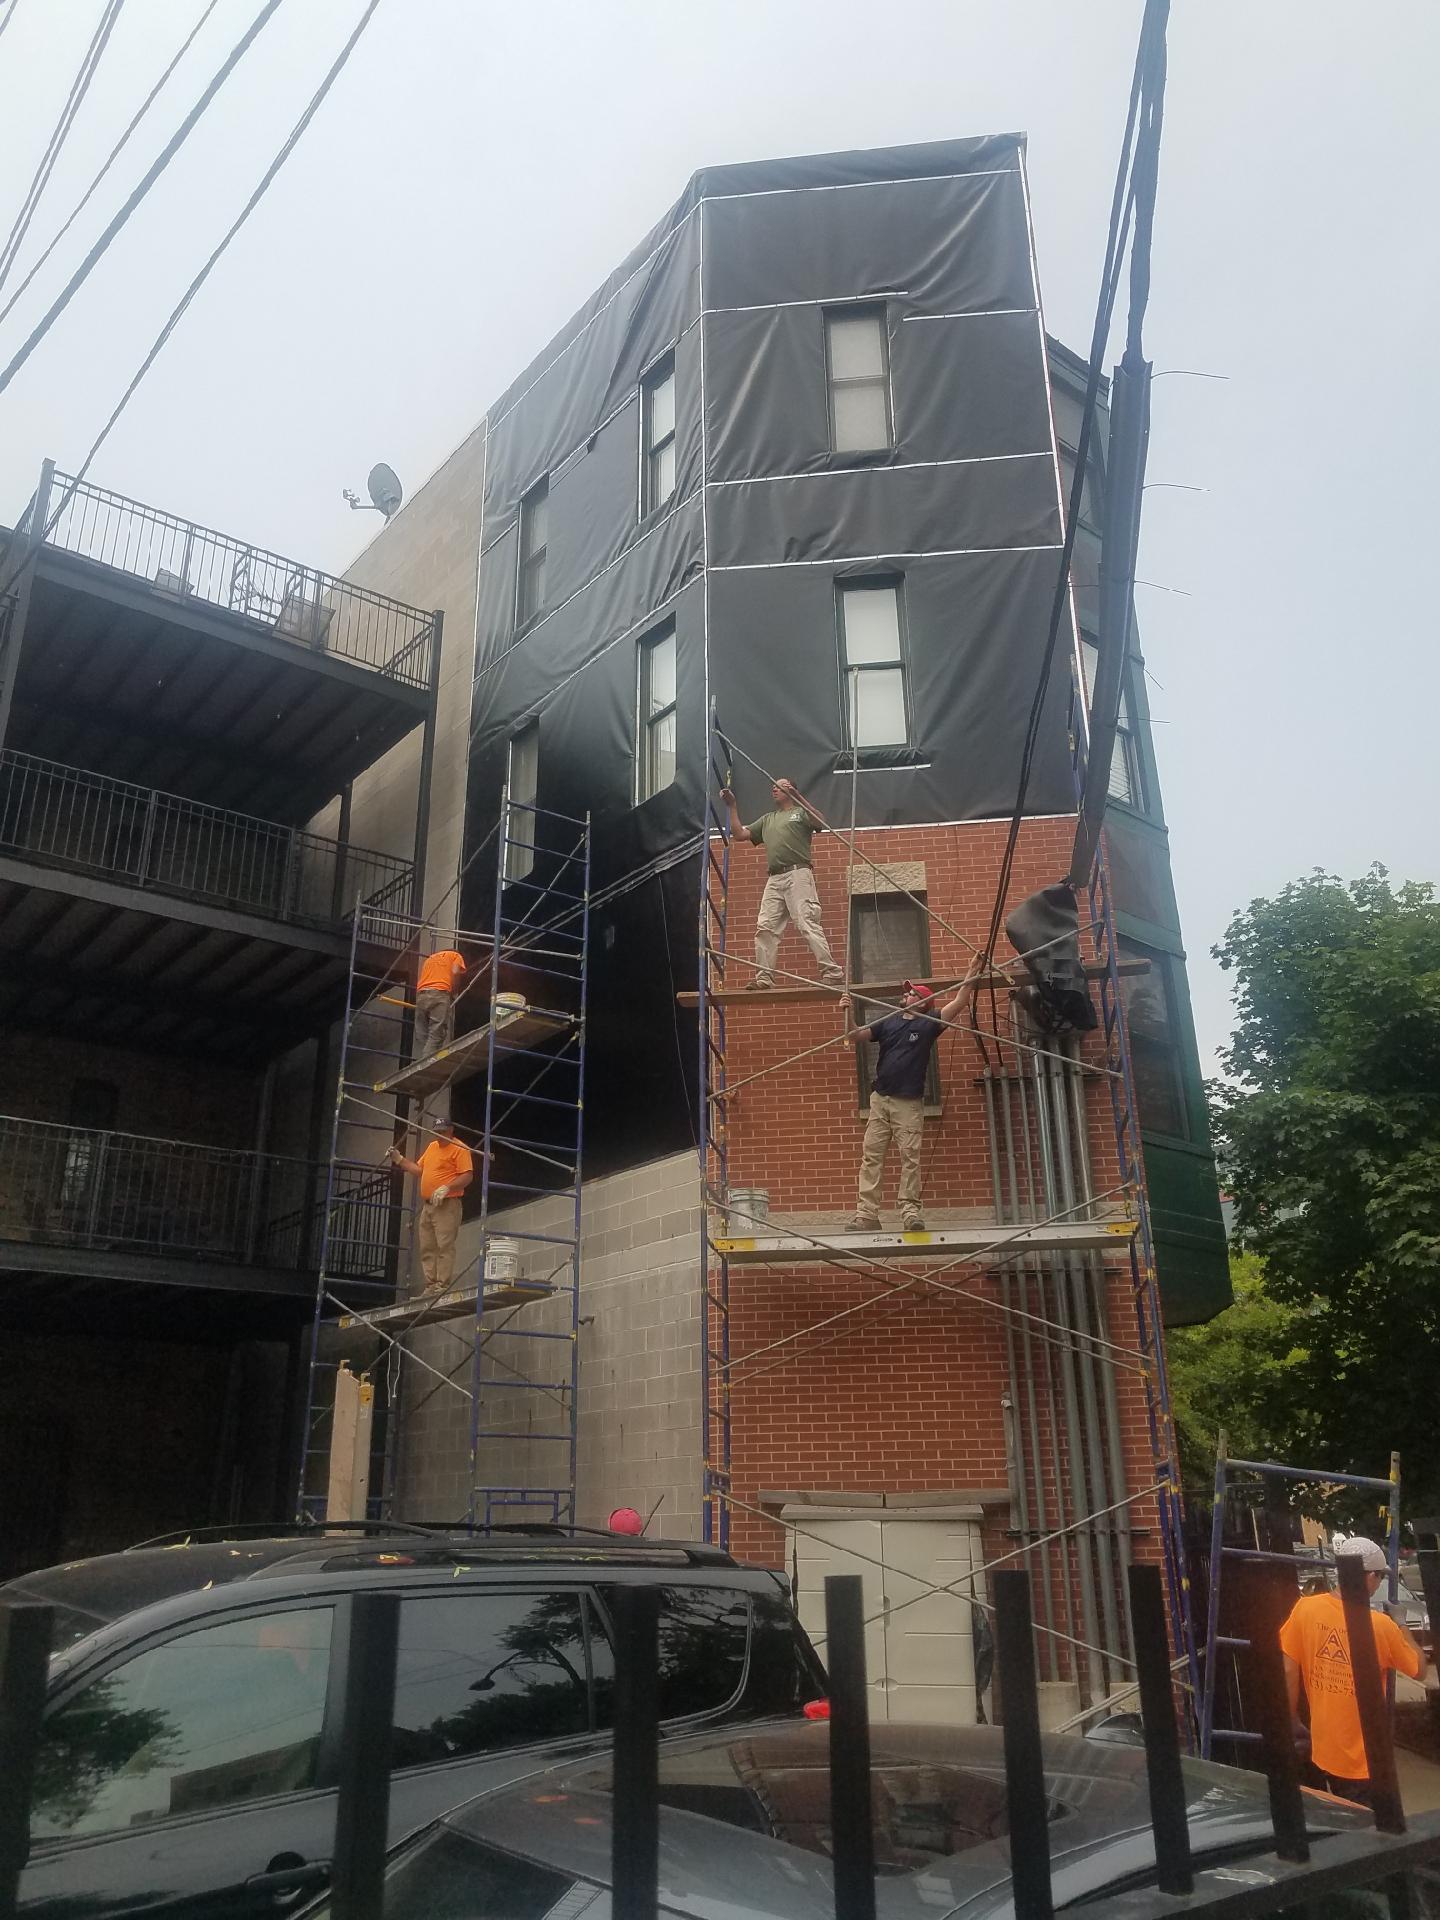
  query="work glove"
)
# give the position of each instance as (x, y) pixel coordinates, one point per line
(440, 1193)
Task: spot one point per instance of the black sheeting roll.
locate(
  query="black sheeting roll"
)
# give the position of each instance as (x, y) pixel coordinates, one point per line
(1050, 920)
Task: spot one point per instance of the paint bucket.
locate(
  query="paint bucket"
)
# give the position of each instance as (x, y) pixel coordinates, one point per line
(502, 1261)
(508, 1007)
(749, 1211)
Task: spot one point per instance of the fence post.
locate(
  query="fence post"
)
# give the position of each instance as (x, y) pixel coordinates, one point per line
(1163, 1773)
(362, 1669)
(635, 1788)
(97, 1187)
(1028, 1807)
(1370, 1695)
(147, 840)
(852, 1819)
(25, 1634)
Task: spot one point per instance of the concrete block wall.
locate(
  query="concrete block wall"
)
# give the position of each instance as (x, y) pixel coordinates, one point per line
(640, 1371)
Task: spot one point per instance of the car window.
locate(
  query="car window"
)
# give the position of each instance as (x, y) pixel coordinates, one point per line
(448, 1876)
(784, 1672)
(225, 1714)
(482, 1671)
(704, 1634)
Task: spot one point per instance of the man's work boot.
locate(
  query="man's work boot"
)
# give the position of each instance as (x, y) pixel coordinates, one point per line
(913, 1223)
(760, 982)
(864, 1223)
(834, 978)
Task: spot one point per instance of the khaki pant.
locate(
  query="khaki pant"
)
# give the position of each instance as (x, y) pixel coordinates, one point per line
(791, 896)
(434, 1014)
(439, 1229)
(904, 1122)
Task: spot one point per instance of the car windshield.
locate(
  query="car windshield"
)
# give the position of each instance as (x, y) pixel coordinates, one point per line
(89, 1594)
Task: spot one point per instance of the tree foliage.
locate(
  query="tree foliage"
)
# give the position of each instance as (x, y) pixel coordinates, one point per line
(1329, 1137)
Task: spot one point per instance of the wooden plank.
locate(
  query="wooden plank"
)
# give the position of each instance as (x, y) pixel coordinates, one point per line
(456, 1304)
(877, 989)
(1078, 1236)
(470, 1053)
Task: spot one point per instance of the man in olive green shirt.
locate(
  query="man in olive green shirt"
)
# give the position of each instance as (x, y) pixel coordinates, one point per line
(785, 833)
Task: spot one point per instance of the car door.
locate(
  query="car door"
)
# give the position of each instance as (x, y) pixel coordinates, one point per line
(490, 1683)
(183, 1775)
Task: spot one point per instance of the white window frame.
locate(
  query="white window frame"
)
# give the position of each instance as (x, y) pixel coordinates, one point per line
(520, 854)
(651, 381)
(862, 309)
(529, 604)
(646, 722)
(1126, 781)
(851, 677)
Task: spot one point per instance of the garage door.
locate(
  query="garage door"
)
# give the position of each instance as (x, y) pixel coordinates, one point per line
(919, 1648)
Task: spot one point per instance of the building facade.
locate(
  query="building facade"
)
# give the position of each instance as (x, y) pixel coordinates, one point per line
(798, 472)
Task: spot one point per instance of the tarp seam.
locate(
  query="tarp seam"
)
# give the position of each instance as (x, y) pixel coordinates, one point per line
(856, 559)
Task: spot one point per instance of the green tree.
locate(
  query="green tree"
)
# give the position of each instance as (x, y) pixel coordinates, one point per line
(1329, 1136)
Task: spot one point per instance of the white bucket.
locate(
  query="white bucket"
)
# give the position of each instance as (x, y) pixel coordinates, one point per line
(749, 1211)
(502, 1260)
(507, 1007)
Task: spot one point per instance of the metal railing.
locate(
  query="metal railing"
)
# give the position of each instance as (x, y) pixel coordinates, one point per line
(99, 1189)
(67, 816)
(191, 562)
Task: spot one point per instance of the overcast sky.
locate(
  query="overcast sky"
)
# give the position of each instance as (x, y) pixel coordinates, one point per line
(480, 166)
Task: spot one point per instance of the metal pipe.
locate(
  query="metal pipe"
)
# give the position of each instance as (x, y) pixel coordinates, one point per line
(1097, 1479)
(1047, 1359)
(427, 772)
(1075, 1452)
(1014, 1456)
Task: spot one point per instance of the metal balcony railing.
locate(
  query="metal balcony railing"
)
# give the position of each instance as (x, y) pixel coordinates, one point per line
(192, 562)
(95, 1189)
(66, 816)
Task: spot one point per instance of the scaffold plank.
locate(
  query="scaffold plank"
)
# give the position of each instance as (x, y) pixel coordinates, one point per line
(426, 1309)
(793, 1249)
(871, 989)
(469, 1054)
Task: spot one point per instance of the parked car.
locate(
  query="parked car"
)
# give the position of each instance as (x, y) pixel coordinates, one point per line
(189, 1753)
(745, 1830)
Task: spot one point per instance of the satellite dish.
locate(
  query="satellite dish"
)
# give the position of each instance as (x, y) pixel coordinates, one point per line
(386, 492)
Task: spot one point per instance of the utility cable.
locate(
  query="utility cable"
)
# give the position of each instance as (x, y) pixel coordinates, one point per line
(79, 87)
(1151, 30)
(8, 15)
(110, 158)
(183, 304)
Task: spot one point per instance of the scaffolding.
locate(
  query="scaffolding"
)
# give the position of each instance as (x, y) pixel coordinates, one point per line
(479, 1338)
(1052, 1246)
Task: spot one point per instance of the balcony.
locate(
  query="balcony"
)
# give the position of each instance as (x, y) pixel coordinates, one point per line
(189, 562)
(89, 1204)
(89, 823)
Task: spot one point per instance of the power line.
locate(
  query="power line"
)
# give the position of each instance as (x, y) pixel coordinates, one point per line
(152, 174)
(8, 15)
(79, 87)
(182, 305)
(1152, 34)
(110, 158)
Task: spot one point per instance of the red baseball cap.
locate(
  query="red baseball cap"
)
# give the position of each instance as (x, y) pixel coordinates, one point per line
(918, 986)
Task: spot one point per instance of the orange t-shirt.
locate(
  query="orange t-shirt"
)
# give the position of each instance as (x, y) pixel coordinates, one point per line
(1314, 1637)
(440, 972)
(440, 1163)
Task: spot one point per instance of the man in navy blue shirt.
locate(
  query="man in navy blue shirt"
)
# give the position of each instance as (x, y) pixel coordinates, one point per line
(897, 1096)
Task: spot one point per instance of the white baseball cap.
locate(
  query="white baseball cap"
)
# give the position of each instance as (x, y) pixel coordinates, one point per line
(1371, 1556)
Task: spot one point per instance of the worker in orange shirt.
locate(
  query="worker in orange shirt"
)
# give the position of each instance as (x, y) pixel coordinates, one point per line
(439, 977)
(1317, 1651)
(445, 1169)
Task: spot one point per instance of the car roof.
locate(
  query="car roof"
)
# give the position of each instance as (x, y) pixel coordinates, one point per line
(94, 1593)
(745, 1818)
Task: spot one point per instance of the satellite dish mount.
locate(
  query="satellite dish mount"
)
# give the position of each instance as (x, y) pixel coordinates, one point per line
(386, 493)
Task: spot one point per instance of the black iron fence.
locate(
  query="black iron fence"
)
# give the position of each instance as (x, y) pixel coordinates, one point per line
(100, 1189)
(195, 563)
(69, 817)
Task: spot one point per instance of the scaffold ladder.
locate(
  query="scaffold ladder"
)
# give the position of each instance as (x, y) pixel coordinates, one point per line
(713, 1143)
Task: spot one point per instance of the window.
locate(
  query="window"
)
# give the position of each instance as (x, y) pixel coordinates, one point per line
(1124, 783)
(657, 435)
(655, 758)
(1156, 1060)
(704, 1639)
(449, 1872)
(890, 940)
(230, 1713)
(873, 666)
(857, 359)
(522, 777)
(530, 586)
(478, 1672)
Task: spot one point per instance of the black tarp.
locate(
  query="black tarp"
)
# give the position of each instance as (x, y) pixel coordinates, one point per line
(764, 522)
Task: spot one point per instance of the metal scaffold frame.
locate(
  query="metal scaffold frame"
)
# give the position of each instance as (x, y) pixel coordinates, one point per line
(532, 964)
(1062, 1320)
